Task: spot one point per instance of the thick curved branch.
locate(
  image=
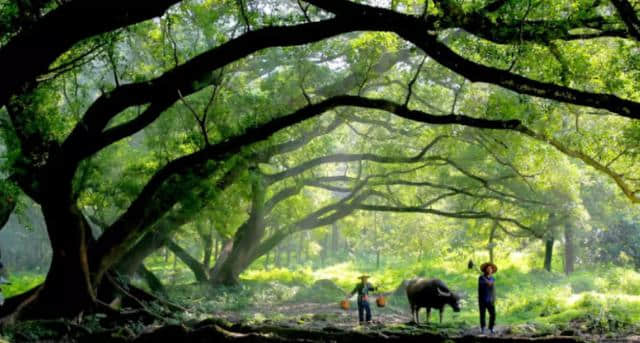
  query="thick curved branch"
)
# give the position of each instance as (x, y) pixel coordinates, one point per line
(29, 54)
(494, 5)
(195, 74)
(628, 15)
(339, 158)
(126, 228)
(459, 215)
(320, 182)
(408, 27)
(196, 267)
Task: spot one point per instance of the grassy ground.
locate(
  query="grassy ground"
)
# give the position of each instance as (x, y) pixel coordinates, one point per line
(530, 301)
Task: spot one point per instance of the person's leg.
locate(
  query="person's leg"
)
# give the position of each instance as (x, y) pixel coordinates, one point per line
(360, 311)
(492, 315)
(368, 309)
(482, 316)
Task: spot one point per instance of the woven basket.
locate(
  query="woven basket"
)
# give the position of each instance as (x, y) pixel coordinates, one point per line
(381, 301)
(344, 304)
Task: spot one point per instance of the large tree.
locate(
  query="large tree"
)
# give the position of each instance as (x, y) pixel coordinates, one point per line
(53, 135)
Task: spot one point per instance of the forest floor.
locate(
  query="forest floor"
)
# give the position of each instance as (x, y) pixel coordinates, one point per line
(298, 322)
(274, 311)
(392, 321)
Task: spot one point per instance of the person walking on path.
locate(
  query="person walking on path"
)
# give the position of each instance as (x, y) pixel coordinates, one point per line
(363, 289)
(487, 295)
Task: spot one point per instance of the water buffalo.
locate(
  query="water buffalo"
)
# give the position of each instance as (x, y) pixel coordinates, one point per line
(430, 293)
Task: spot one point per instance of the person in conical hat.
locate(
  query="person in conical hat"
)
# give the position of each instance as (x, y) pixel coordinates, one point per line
(487, 295)
(363, 288)
(488, 264)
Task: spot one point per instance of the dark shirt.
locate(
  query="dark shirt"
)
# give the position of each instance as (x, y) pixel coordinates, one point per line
(486, 289)
(362, 290)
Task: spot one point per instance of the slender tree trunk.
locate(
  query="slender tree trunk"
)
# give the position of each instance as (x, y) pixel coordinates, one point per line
(225, 251)
(491, 244)
(569, 249)
(196, 267)
(151, 242)
(207, 238)
(305, 249)
(548, 253)
(218, 244)
(151, 279)
(289, 248)
(175, 268)
(276, 259)
(300, 248)
(335, 240)
(325, 250)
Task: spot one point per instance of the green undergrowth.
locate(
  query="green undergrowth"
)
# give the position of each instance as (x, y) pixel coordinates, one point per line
(605, 299)
(529, 300)
(21, 282)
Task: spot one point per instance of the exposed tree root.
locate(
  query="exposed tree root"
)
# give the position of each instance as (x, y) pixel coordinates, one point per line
(219, 331)
(13, 306)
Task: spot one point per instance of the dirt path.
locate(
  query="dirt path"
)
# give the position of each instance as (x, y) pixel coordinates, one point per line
(314, 315)
(324, 317)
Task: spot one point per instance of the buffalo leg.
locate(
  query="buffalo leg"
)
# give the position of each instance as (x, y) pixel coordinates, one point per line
(428, 314)
(441, 316)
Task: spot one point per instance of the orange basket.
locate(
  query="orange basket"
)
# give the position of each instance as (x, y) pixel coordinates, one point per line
(381, 301)
(344, 304)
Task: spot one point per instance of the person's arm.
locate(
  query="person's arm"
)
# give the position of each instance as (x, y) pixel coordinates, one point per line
(485, 280)
(490, 282)
(353, 292)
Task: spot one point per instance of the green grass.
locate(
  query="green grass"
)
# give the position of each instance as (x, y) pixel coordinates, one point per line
(21, 282)
(603, 299)
(600, 300)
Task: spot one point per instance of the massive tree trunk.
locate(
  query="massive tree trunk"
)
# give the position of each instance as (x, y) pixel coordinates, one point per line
(548, 253)
(569, 249)
(68, 288)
